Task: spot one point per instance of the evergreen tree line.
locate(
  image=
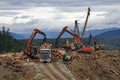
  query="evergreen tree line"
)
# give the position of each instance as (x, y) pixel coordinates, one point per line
(8, 43)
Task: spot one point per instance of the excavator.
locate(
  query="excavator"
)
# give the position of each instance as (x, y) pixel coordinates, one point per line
(79, 46)
(93, 41)
(33, 50)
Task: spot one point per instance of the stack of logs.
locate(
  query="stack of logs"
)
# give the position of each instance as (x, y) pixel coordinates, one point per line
(46, 45)
(57, 54)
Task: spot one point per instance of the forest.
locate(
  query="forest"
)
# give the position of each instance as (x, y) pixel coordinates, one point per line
(8, 43)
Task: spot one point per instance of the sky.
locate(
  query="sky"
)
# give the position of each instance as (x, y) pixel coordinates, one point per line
(22, 16)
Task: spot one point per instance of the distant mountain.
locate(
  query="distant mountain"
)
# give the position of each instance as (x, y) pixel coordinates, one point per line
(65, 35)
(87, 33)
(48, 34)
(113, 33)
(17, 36)
(99, 31)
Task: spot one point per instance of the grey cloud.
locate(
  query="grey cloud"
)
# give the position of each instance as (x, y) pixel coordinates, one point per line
(72, 9)
(112, 18)
(42, 24)
(24, 27)
(24, 16)
(22, 4)
(7, 13)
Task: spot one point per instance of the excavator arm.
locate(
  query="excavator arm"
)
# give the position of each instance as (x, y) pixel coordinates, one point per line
(80, 46)
(56, 42)
(35, 31)
(75, 36)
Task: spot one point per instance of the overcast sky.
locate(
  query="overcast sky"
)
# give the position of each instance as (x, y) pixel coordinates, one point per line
(22, 16)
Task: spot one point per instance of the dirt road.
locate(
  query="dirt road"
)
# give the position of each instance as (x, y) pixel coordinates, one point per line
(32, 70)
(52, 72)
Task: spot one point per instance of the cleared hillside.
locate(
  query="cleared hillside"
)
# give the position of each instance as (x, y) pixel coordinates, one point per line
(100, 65)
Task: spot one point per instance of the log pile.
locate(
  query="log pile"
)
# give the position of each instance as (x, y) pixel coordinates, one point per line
(46, 45)
(57, 54)
(9, 61)
(72, 46)
(14, 56)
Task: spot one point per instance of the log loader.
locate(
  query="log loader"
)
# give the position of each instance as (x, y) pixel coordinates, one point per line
(94, 42)
(45, 53)
(79, 46)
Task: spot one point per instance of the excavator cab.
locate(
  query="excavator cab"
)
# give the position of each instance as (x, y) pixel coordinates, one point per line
(34, 50)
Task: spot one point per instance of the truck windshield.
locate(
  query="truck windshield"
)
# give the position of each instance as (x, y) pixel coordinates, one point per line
(45, 54)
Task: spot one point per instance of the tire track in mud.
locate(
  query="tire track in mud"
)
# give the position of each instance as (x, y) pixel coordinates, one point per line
(46, 71)
(64, 71)
(56, 72)
(51, 72)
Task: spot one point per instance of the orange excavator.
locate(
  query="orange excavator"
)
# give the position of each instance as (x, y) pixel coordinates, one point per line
(79, 46)
(29, 42)
(45, 53)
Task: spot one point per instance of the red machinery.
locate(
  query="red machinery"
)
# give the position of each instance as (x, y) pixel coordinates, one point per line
(76, 37)
(79, 45)
(29, 42)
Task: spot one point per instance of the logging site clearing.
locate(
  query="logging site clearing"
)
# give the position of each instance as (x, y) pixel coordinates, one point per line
(100, 65)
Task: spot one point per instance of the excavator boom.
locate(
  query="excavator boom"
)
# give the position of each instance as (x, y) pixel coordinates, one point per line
(35, 31)
(75, 36)
(80, 46)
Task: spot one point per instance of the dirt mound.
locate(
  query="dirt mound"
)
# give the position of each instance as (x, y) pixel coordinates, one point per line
(10, 68)
(13, 68)
(100, 65)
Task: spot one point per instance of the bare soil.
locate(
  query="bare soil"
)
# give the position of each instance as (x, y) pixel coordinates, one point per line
(24, 69)
(100, 65)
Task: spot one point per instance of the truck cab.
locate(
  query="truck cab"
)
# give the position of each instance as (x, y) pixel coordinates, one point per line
(45, 55)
